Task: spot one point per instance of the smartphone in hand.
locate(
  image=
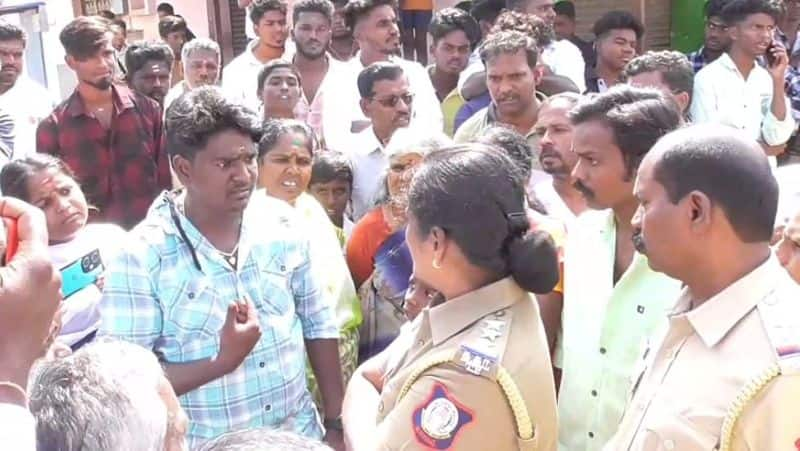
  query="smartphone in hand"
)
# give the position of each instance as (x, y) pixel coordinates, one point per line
(770, 57)
(81, 273)
(12, 239)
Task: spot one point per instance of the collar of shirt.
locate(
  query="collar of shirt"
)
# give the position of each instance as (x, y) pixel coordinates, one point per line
(367, 143)
(122, 98)
(713, 319)
(727, 62)
(161, 216)
(453, 316)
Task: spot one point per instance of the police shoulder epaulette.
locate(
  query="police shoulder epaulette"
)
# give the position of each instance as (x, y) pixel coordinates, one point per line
(780, 315)
(482, 348)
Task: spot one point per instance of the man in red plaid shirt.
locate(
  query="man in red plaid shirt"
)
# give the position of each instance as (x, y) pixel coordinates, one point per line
(109, 135)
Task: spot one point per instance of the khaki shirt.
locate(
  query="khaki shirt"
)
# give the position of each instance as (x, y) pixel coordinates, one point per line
(458, 403)
(714, 357)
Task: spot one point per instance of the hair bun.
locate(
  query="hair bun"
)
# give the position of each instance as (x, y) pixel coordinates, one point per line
(533, 261)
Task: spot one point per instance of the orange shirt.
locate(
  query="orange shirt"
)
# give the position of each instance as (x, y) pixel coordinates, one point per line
(417, 5)
(368, 235)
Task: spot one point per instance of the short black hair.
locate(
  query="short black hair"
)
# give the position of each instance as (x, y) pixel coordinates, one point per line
(165, 8)
(449, 20)
(513, 144)
(107, 14)
(274, 129)
(565, 8)
(472, 191)
(374, 73)
(121, 24)
(11, 32)
(16, 173)
(85, 36)
(527, 24)
(140, 53)
(713, 8)
(171, 24)
(324, 7)
(358, 9)
(728, 168)
(618, 20)
(329, 166)
(637, 119)
(509, 42)
(736, 11)
(486, 10)
(201, 113)
(270, 67)
(674, 67)
(260, 7)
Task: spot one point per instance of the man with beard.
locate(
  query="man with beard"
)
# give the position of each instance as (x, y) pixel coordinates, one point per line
(559, 196)
(386, 100)
(454, 33)
(512, 75)
(725, 371)
(110, 136)
(612, 299)
(312, 24)
(201, 62)
(717, 38)
(618, 34)
(149, 66)
(240, 76)
(736, 91)
(374, 25)
(342, 46)
(204, 277)
(25, 100)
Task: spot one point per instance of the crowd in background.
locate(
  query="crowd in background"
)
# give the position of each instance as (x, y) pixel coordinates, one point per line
(382, 226)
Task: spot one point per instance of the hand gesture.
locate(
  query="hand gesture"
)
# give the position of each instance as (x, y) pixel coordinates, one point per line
(780, 62)
(239, 335)
(30, 293)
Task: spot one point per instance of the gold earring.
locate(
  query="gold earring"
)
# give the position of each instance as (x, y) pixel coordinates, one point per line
(436, 264)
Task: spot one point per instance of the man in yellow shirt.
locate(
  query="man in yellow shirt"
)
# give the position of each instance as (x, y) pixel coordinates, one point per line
(454, 34)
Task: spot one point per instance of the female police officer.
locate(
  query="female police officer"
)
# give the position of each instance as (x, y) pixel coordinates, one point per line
(472, 372)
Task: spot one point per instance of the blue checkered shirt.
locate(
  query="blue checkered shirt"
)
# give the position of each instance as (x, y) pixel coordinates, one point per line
(155, 296)
(792, 86)
(697, 59)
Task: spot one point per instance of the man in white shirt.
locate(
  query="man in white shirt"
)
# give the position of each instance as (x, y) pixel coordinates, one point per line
(374, 25)
(559, 196)
(201, 61)
(735, 90)
(386, 100)
(240, 76)
(312, 30)
(25, 100)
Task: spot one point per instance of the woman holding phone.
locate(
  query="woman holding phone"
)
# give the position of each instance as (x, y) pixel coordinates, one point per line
(78, 249)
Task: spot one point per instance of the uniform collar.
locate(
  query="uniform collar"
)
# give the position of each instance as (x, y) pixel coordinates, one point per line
(453, 316)
(121, 96)
(717, 316)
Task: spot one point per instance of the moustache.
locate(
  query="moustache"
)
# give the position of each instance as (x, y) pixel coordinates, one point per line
(587, 193)
(638, 242)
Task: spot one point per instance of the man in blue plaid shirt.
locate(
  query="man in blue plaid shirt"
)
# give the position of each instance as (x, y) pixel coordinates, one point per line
(717, 39)
(224, 294)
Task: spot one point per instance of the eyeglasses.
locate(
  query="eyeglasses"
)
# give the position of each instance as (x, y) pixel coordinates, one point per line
(391, 101)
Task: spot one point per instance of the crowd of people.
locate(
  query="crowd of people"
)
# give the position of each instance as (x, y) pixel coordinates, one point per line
(384, 227)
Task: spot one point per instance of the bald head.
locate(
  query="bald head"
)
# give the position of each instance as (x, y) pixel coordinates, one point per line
(728, 168)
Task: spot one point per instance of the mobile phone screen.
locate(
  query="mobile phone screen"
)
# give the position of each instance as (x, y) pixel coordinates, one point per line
(81, 273)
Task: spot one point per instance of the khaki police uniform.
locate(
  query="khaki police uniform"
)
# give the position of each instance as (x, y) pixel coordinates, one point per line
(472, 373)
(726, 375)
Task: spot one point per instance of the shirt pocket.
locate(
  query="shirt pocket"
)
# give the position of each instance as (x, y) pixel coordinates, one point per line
(689, 429)
(277, 299)
(194, 317)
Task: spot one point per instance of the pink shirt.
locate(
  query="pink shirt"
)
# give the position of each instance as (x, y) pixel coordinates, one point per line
(311, 112)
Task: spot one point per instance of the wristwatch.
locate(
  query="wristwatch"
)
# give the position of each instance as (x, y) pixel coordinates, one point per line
(333, 423)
